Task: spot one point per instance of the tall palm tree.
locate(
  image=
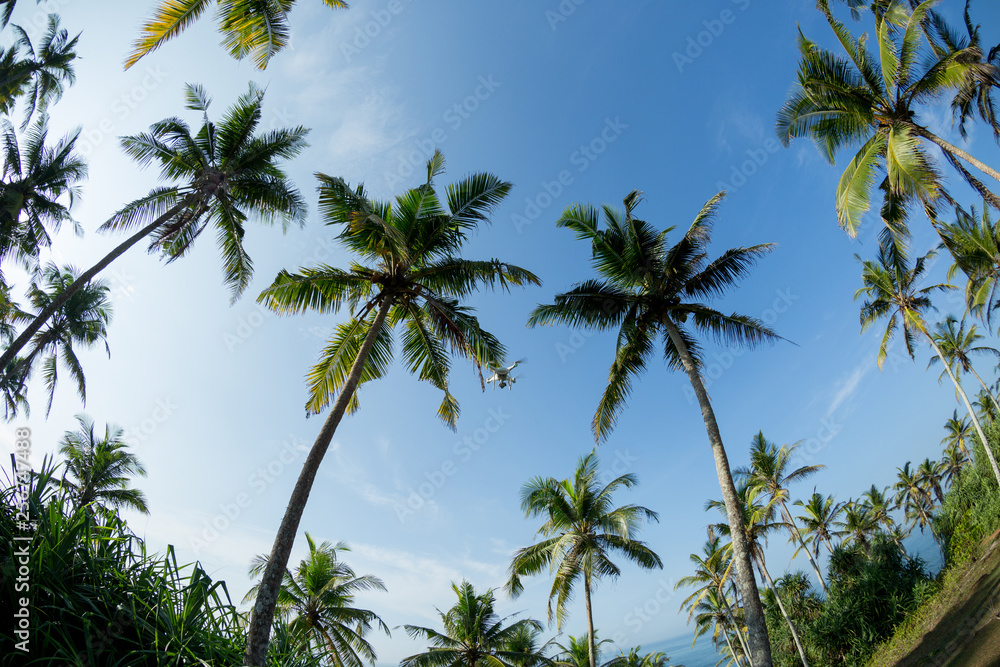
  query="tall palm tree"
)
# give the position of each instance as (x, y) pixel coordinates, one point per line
(913, 497)
(891, 290)
(81, 319)
(819, 520)
(473, 636)
(413, 279)
(41, 75)
(879, 505)
(647, 289)
(931, 474)
(98, 469)
(957, 347)
(223, 174)
(249, 27)
(712, 572)
(958, 431)
(769, 471)
(319, 598)
(875, 101)
(758, 520)
(974, 244)
(859, 525)
(35, 177)
(584, 529)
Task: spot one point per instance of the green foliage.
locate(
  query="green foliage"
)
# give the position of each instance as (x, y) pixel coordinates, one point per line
(804, 607)
(870, 594)
(971, 508)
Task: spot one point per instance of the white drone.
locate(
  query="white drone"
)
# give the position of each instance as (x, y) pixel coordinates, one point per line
(501, 374)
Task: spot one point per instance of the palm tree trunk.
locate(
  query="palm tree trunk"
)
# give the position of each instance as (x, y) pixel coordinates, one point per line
(267, 596)
(736, 628)
(968, 406)
(590, 620)
(781, 606)
(732, 651)
(797, 535)
(956, 151)
(760, 645)
(85, 278)
(986, 389)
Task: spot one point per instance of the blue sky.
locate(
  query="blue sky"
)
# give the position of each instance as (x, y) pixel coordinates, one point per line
(573, 102)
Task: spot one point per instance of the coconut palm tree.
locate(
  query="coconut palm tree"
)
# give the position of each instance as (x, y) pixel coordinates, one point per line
(81, 319)
(713, 613)
(636, 658)
(34, 179)
(974, 244)
(319, 598)
(859, 525)
(875, 101)
(878, 506)
(223, 175)
(473, 636)
(758, 520)
(953, 462)
(712, 572)
(931, 474)
(647, 289)
(913, 496)
(769, 471)
(958, 431)
(577, 654)
(98, 469)
(957, 347)
(413, 279)
(525, 641)
(891, 291)
(584, 530)
(819, 520)
(249, 28)
(41, 75)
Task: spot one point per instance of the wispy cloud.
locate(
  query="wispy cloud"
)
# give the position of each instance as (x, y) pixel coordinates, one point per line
(848, 386)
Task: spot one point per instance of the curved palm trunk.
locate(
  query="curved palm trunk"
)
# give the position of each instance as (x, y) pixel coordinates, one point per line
(736, 629)
(732, 651)
(85, 278)
(968, 406)
(795, 533)
(590, 620)
(956, 151)
(760, 646)
(986, 389)
(781, 606)
(259, 633)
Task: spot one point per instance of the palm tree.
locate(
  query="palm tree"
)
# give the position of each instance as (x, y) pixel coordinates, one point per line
(769, 471)
(757, 522)
(525, 641)
(974, 244)
(648, 288)
(878, 506)
(98, 469)
(874, 101)
(34, 178)
(859, 525)
(891, 291)
(821, 514)
(474, 636)
(930, 474)
(83, 318)
(712, 572)
(714, 613)
(636, 658)
(958, 430)
(413, 278)
(224, 174)
(577, 654)
(255, 29)
(41, 77)
(583, 529)
(985, 408)
(957, 346)
(320, 596)
(953, 462)
(913, 497)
